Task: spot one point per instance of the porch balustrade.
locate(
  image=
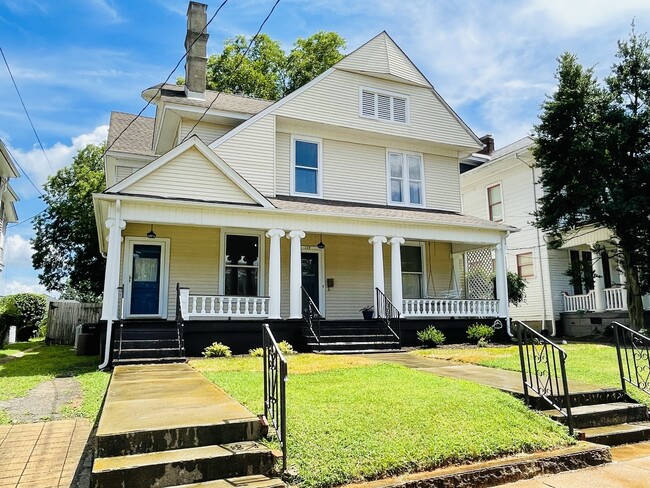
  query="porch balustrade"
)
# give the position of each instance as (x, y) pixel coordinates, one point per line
(615, 299)
(208, 306)
(445, 307)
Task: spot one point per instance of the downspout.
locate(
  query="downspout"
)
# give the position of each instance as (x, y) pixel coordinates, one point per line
(539, 255)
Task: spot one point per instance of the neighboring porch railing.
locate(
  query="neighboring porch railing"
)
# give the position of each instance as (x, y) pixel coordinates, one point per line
(616, 298)
(311, 314)
(633, 351)
(275, 397)
(389, 314)
(580, 303)
(207, 306)
(543, 370)
(180, 321)
(448, 307)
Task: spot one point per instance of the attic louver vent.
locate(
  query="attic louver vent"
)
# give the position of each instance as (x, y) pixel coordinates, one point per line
(383, 106)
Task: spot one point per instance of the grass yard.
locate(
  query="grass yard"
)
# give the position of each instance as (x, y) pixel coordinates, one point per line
(595, 364)
(351, 418)
(18, 376)
(11, 349)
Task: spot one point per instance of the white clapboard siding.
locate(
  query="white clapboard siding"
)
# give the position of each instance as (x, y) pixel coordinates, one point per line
(335, 100)
(283, 163)
(559, 262)
(208, 132)
(190, 175)
(251, 153)
(442, 183)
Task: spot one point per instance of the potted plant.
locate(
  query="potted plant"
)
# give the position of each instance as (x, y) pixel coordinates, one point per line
(368, 312)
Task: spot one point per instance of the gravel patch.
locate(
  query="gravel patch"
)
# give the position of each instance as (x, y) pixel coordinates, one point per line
(43, 402)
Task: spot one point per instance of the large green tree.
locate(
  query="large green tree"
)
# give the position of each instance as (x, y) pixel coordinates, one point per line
(593, 147)
(266, 71)
(66, 249)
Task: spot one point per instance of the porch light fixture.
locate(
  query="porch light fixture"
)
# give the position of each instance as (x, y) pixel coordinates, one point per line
(151, 234)
(320, 245)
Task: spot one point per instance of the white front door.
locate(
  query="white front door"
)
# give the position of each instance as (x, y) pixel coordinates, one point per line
(146, 271)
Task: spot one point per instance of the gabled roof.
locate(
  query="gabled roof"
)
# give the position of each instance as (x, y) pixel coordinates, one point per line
(224, 171)
(137, 138)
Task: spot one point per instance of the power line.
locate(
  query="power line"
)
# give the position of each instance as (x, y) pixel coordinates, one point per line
(16, 224)
(24, 172)
(166, 79)
(25, 109)
(241, 60)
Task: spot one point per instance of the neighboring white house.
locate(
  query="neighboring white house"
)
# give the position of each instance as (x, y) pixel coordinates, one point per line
(504, 188)
(346, 186)
(7, 197)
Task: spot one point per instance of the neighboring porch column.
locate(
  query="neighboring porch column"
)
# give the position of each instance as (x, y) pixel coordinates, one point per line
(600, 300)
(295, 275)
(275, 284)
(396, 272)
(377, 266)
(502, 279)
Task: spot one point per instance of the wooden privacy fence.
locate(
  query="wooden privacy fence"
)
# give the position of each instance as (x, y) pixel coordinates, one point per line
(64, 316)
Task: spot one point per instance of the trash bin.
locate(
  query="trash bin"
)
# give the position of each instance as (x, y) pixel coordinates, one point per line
(88, 341)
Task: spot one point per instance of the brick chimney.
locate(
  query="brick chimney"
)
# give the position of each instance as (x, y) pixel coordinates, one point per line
(196, 59)
(488, 141)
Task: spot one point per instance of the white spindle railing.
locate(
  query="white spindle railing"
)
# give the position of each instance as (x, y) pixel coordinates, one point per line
(616, 298)
(580, 303)
(445, 307)
(206, 306)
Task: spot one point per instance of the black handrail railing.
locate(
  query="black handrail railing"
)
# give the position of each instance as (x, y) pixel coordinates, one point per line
(389, 314)
(540, 360)
(180, 322)
(275, 397)
(120, 317)
(311, 314)
(635, 348)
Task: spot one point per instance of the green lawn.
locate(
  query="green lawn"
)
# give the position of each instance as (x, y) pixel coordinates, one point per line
(595, 364)
(18, 376)
(11, 349)
(351, 419)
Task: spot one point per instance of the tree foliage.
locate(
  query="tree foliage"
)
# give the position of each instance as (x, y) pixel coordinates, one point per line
(66, 248)
(266, 71)
(593, 146)
(25, 311)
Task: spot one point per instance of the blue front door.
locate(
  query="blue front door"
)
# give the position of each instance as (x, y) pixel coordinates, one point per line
(145, 284)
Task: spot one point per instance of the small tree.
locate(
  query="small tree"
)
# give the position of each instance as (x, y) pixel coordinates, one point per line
(25, 311)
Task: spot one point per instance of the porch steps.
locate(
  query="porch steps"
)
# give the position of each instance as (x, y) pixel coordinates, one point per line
(255, 481)
(147, 342)
(345, 337)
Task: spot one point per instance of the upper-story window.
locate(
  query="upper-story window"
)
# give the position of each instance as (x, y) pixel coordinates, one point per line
(525, 267)
(495, 203)
(382, 105)
(306, 171)
(405, 179)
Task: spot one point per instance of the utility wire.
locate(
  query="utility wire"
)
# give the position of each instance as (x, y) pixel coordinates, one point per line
(241, 60)
(166, 80)
(16, 224)
(24, 172)
(25, 109)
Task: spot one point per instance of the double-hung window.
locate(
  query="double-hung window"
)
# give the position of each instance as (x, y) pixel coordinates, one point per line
(306, 176)
(405, 179)
(525, 267)
(495, 203)
(412, 271)
(242, 264)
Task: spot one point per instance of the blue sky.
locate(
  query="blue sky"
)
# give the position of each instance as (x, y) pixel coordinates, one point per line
(76, 60)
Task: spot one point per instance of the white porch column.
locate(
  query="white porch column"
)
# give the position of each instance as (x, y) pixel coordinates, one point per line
(115, 226)
(295, 275)
(501, 278)
(599, 282)
(377, 266)
(275, 284)
(396, 272)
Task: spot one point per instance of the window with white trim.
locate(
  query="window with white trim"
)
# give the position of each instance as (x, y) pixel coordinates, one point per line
(306, 174)
(405, 179)
(412, 271)
(525, 267)
(383, 106)
(242, 264)
(495, 203)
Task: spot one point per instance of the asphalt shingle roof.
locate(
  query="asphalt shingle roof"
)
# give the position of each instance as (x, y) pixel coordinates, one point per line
(220, 101)
(137, 139)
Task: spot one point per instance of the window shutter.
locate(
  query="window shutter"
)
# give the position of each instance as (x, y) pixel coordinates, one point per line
(368, 103)
(383, 106)
(399, 109)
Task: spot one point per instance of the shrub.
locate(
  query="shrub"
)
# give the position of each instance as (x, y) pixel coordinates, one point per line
(476, 332)
(217, 350)
(258, 352)
(431, 336)
(286, 348)
(482, 342)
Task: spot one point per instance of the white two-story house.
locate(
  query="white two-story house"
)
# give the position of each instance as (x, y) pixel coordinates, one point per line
(580, 284)
(344, 194)
(8, 197)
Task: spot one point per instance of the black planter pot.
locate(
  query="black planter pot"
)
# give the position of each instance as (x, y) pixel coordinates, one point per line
(367, 314)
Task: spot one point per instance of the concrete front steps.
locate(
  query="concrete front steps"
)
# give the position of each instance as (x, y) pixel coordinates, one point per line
(165, 425)
(608, 417)
(147, 342)
(352, 337)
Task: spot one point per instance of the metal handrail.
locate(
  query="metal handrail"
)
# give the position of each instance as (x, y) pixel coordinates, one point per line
(388, 313)
(638, 365)
(275, 394)
(180, 322)
(540, 358)
(311, 314)
(120, 301)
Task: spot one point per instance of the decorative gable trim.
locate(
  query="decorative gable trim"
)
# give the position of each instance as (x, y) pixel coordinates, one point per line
(197, 143)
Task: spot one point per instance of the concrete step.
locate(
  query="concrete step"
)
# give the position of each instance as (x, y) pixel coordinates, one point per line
(132, 361)
(582, 398)
(255, 481)
(615, 435)
(170, 468)
(172, 352)
(603, 414)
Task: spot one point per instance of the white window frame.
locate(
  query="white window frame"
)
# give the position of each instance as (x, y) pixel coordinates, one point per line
(503, 201)
(405, 185)
(376, 91)
(424, 291)
(319, 175)
(261, 269)
(532, 264)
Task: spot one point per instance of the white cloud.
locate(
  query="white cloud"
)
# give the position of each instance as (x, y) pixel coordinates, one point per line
(16, 286)
(18, 251)
(106, 8)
